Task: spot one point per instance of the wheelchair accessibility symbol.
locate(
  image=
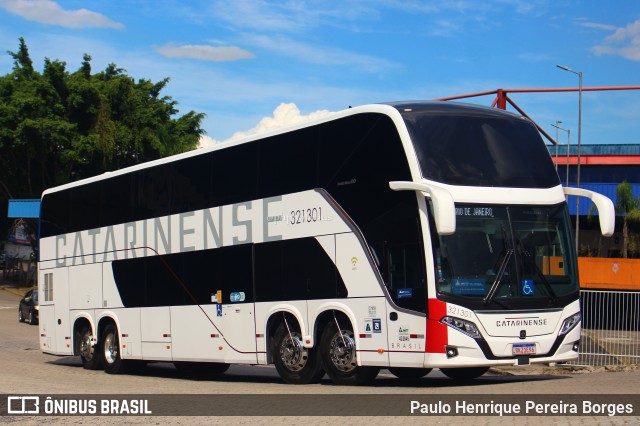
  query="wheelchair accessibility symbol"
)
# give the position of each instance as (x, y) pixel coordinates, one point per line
(527, 287)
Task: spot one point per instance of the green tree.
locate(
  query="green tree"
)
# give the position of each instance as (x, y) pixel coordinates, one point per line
(627, 204)
(58, 126)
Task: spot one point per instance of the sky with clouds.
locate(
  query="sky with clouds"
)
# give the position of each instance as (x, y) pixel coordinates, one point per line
(255, 64)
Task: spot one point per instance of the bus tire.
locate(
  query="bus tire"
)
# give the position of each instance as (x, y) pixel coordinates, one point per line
(89, 355)
(465, 373)
(338, 354)
(406, 373)
(110, 350)
(295, 364)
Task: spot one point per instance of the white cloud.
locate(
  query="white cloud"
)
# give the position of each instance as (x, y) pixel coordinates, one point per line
(327, 56)
(288, 16)
(206, 141)
(285, 114)
(51, 13)
(623, 42)
(205, 52)
(598, 26)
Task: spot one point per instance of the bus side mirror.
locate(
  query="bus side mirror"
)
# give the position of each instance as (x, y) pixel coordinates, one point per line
(606, 212)
(444, 210)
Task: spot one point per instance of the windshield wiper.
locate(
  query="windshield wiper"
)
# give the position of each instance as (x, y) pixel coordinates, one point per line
(496, 283)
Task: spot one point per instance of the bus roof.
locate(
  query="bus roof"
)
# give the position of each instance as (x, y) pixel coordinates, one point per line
(390, 109)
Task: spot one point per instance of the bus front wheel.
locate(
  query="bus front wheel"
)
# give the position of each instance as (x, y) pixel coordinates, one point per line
(295, 363)
(338, 353)
(465, 373)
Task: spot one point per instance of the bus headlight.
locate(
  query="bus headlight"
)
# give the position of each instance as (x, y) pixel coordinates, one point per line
(466, 327)
(569, 323)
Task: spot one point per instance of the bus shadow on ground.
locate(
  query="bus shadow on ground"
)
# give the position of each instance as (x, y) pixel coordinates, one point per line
(267, 374)
(445, 382)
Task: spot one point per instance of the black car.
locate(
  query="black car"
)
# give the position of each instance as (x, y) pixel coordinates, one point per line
(28, 308)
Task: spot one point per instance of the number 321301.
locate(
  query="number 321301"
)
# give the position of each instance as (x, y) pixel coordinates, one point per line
(310, 215)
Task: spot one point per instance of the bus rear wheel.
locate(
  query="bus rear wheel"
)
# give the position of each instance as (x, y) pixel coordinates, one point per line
(465, 373)
(88, 355)
(338, 353)
(295, 364)
(405, 373)
(110, 349)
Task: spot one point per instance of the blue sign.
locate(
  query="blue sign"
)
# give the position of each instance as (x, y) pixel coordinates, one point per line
(527, 288)
(469, 286)
(377, 325)
(219, 310)
(404, 293)
(237, 296)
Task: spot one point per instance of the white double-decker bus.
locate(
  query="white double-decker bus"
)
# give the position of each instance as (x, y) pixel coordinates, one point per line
(406, 236)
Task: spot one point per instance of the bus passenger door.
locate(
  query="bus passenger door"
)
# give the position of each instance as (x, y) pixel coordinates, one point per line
(239, 330)
(406, 339)
(407, 320)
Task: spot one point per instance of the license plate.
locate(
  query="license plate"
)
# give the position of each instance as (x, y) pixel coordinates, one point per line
(524, 348)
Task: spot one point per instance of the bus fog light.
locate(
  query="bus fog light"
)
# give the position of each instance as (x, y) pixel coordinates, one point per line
(569, 323)
(464, 326)
(451, 351)
(576, 346)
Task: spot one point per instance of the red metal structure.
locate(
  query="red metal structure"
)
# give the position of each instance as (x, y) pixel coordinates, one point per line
(502, 98)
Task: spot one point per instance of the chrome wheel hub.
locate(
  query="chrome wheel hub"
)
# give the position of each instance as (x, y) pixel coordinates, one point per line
(293, 355)
(342, 351)
(110, 348)
(86, 347)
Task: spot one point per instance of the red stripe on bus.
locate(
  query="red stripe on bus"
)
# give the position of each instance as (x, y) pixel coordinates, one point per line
(437, 332)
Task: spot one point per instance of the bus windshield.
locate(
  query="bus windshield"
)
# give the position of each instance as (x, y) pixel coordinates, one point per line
(507, 256)
(480, 147)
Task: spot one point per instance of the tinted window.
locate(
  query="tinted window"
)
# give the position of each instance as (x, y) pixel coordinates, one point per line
(191, 184)
(288, 163)
(234, 174)
(168, 280)
(55, 214)
(358, 158)
(296, 270)
(395, 238)
(118, 198)
(479, 147)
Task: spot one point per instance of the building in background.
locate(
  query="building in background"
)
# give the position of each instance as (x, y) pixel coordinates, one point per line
(602, 169)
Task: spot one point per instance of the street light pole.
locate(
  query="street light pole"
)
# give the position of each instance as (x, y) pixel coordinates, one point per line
(557, 126)
(568, 146)
(568, 149)
(579, 74)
